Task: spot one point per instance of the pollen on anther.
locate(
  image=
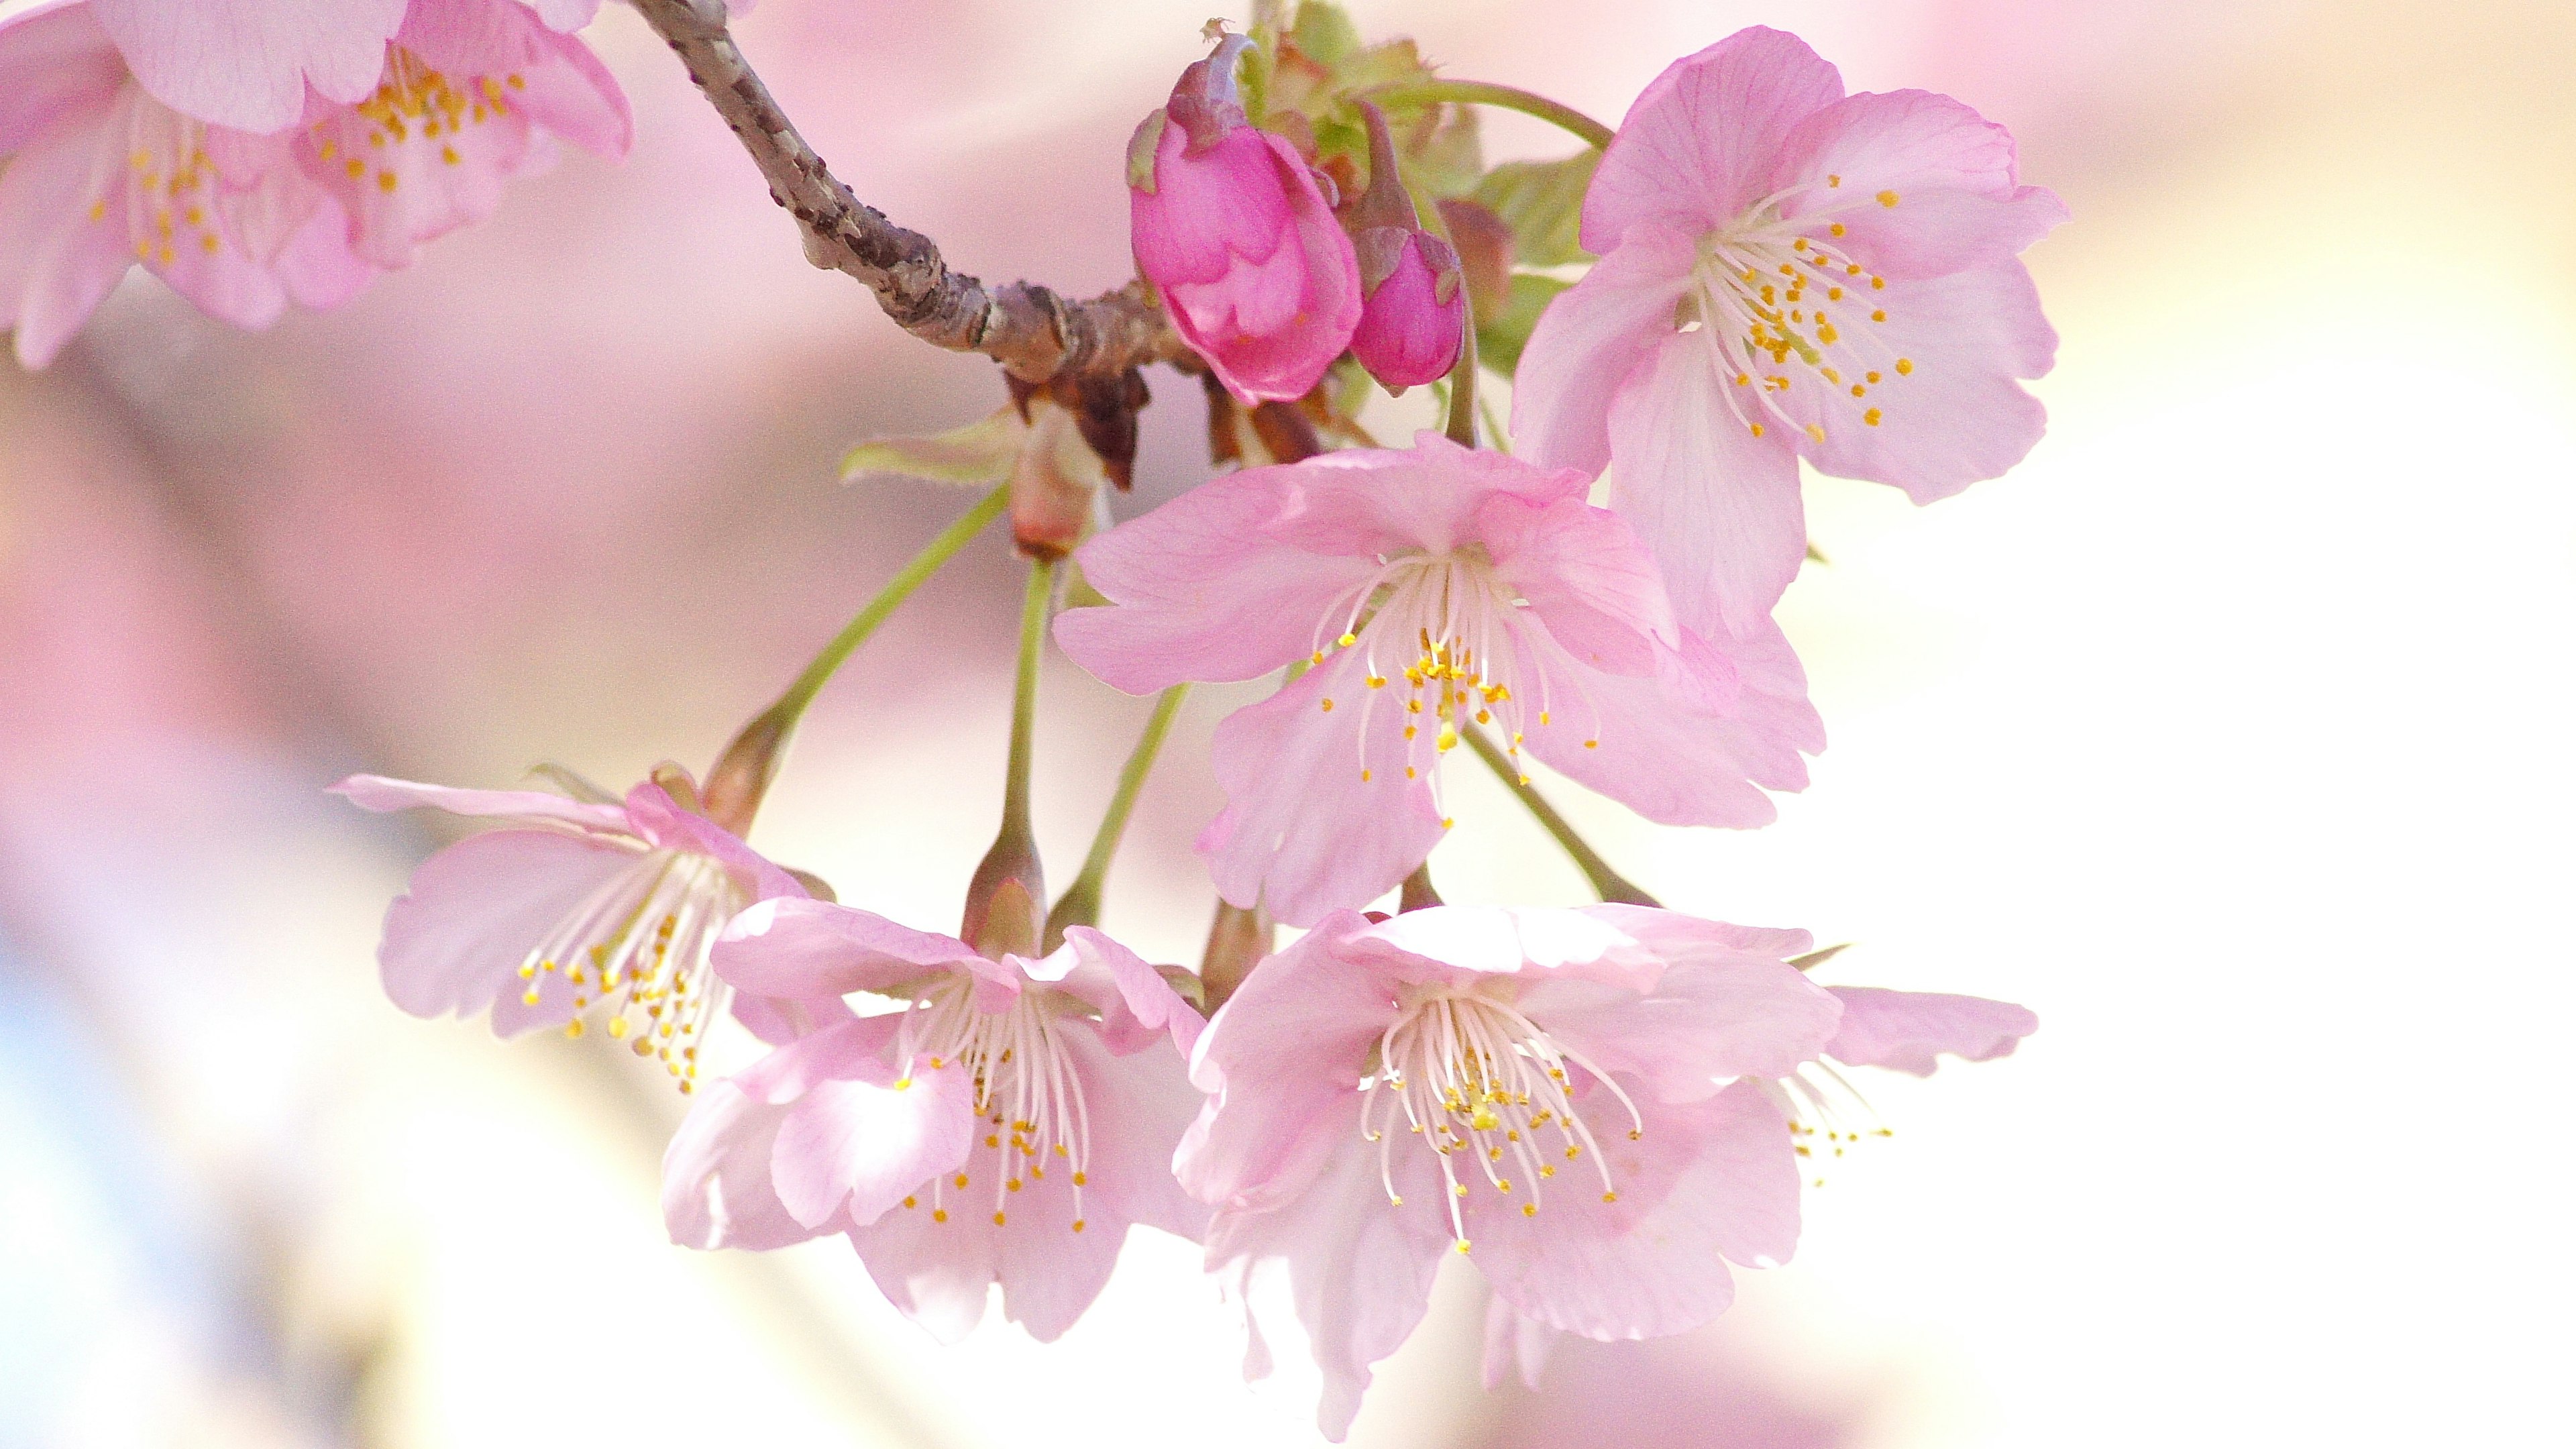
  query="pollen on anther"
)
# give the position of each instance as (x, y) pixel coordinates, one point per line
(959, 1179)
(1529, 1209)
(1000, 1218)
(1887, 198)
(939, 1215)
(1757, 430)
(912, 1202)
(1833, 181)
(1367, 775)
(1872, 417)
(1816, 431)
(1328, 706)
(1592, 744)
(1077, 1225)
(1905, 366)
(1838, 228)
(1609, 1197)
(1462, 1245)
(1410, 772)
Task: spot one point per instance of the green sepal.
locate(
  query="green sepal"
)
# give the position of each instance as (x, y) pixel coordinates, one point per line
(978, 455)
(1542, 202)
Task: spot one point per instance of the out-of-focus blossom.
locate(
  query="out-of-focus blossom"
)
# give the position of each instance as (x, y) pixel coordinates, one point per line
(1553, 1091)
(1414, 318)
(1787, 272)
(582, 906)
(1433, 591)
(1231, 227)
(473, 94)
(1008, 1125)
(100, 176)
(246, 63)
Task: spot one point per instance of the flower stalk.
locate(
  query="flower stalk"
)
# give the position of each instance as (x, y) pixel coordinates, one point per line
(1607, 883)
(1080, 904)
(1509, 98)
(1003, 914)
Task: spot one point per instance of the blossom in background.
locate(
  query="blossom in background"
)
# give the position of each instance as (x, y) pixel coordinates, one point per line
(1231, 227)
(104, 174)
(1553, 1092)
(582, 907)
(472, 95)
(1787, 272)
(1007, 1125)
(101, 177)
(1433, 591)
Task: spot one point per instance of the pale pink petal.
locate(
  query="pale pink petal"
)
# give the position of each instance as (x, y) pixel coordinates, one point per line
(1703, 1025)
(225, 282)
(1587, 342)
(851, 1050)
(1719, 504)
(56, 66)
(1140, 1105)
(802, 948)
(382, 793)
(1697, 147)
(716, 1189)
(1584, 574)
(1946, 358)
(1514, 1346)
(1949, 172)
(572, 15)
(1907, 1030)
(475, 911)
(317, 266)
(1708, 1179)
(1359, 1269)
(938, 1274)
(1210, 210)
(1681, 939)
(56, 264)
(1665, 753)
(1050, 1270)
(245, 63)
(1282, 1064)
(1203, 592)
(574, 96)
(861, 1144)
(1136, 1005)
(1454, 946)
(659, 819)
(1307, 828)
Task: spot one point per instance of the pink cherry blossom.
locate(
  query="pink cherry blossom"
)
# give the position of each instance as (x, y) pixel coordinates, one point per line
(1432, 591)
(1231, 227)
(246, 63)
(1006, 1126)
(582, 907)
(1546, 1090)
(102, 177)
(473, 94)
(1787, 272)
(1415, 319)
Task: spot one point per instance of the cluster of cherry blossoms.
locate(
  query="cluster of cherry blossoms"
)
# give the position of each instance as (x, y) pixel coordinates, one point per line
(1599, 1107)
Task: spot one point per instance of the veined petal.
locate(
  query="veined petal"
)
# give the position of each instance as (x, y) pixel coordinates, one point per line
(456, 940)
(1718, 1174)
(56, 66)
(1136, 1005)
(716, 1188)
(1701, 1026)
(1718, 502)
(1590, 339)
(1514, 1345)
(799, 947)
(862, 1146)
(1455, 945)
(1585, 576)
(382, 793)
(1906, 1031)
(1313, 820)
(56, 264)
(1698, 146)
(1140, 1105)
(938, 1274)
(245, 63)
(1050, 1270)
(1921, 185)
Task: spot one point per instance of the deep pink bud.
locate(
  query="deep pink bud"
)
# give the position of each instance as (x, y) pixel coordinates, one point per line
(1231, 227)
(1415, 319)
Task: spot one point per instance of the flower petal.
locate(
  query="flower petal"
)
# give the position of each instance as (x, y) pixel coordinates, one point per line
(1136, 1005)
(1703, 1025)
(797, 947)
(56, 66)
(716, 1189)
(455, 941)
(56, 265)
(938, 1274)
(381, 793)
(1139, 1106)
(1708, 1178)
(1907, 1030)
(1586, 578)
(245, 63)
(862, 1146)
(1514, 1345)
(1697, 148)
(1718, 502)
(1050, 1271)
(1927, 186)
(1307, 827)
(1590, 339)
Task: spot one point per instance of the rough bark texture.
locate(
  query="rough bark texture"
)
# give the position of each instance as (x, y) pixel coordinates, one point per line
(1035, 334)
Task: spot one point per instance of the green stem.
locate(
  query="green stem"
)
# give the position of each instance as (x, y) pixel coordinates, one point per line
(1024, 695)
(1607, 883)
(1460, 425)
(743, 771)
(1080, 904)
(1510, 98)
(1006, 899)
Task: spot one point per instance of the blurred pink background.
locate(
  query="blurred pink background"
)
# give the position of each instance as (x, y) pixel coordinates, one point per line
(2230, 733)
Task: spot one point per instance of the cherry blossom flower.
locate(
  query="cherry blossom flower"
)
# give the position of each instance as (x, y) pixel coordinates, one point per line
(1008, 1125)
(1231, 227)
(473, 94)
(581, 908)
(1432, 591)
(1413, 322)
(245, 64)
(1553, 1092)
(1787, 272)
(102, 177)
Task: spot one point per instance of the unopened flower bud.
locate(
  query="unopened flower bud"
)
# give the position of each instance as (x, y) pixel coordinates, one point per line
(1414, 318)
(1055, 483)
(1232, 228)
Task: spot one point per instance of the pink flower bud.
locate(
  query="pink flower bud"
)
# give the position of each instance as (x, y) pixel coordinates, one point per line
(1231, 227)
(1415, 318)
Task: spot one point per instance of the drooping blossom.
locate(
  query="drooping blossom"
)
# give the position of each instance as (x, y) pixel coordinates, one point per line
(245, 64)
(1231, 227)
(583, 908)
(1006, 1125)
(474, 93)
(1787, 272)
(1433, 591)
(1413, 320)
(100, 177)
(1554, 1094)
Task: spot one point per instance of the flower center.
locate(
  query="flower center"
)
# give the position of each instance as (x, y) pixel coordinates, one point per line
(1448, 627)
(167, 199)
(414, 101)
(1785, 308)
(1473, 1077)
(1026, 1091)
(1826, 1101)
(638, 947)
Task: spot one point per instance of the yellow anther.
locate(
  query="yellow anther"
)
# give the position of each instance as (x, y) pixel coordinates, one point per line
(992, 1139)
(939, 1215)
(1504, 1185)
(959, 1179)
(1743, 378)
(1827, 334)
(1833, 294)
(386, 181)
(1757, 430)
(574, 1028)
(1859, 391)
(1592, 744)
(1878, 284)
(1838, 228)
(1871, 417)
(528, 972)
(1887, 198)
(448, 155)
(617, 1027)
(1348, 639)
(1012, 1183)
(1462, 1242)
(1328, 706)
(1833, 181)
(1077, 1225)
(1816, 431)
(530, 999)
(912, 1202)
(1529, 1209)
(1799, 245)
(1609, 1197)
(1905, 366)
(1367, 775)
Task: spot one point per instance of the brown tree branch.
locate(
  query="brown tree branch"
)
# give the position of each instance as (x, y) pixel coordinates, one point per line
(1032, 332)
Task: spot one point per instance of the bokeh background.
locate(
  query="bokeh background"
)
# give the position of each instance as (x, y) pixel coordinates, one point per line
(2231, 733)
